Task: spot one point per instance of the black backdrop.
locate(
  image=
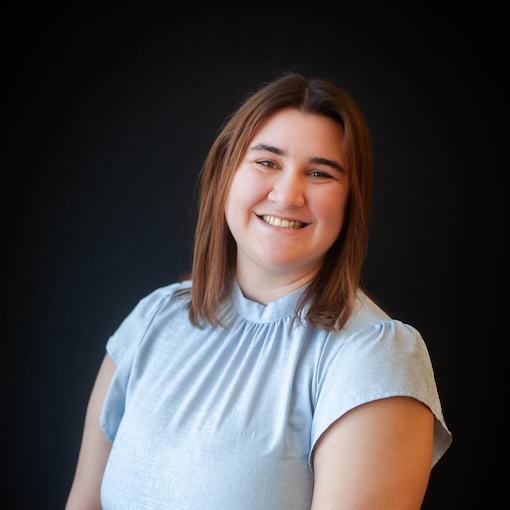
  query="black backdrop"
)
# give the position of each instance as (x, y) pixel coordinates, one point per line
(109, 113)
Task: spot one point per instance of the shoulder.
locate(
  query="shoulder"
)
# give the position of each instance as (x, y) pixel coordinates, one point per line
(162, 295)
(172, 295)
(165, 300)
(369, 326)
(375, 356)
(366, 313)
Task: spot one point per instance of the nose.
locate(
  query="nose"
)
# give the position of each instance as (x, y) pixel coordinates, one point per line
(287, 192)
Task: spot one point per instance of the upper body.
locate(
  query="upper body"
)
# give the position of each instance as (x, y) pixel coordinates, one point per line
(272, 381)
(228, 418)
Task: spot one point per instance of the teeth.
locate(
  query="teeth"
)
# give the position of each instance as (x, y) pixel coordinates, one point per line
(277, 222)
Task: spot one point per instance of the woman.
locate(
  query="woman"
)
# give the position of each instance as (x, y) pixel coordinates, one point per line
(268, 379)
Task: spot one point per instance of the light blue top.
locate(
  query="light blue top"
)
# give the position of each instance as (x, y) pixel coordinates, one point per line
(226, 419)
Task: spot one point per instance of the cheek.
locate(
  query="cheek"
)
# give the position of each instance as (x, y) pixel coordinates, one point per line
(230, 207)
(247, 189)
(332, 205)
(239, 199)
(332, 208)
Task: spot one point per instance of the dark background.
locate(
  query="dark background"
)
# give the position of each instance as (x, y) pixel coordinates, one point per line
(109, 112)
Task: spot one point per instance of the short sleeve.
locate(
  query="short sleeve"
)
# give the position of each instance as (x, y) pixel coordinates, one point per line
(122, 347)
(386, 359)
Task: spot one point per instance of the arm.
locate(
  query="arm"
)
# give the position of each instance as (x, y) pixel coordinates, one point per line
(95, 447)
(378, 455)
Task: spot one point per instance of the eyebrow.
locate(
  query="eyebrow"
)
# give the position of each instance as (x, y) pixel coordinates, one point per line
(317, 160)
(269, 148)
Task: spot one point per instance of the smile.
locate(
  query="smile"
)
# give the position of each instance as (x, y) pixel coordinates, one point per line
(277, 222)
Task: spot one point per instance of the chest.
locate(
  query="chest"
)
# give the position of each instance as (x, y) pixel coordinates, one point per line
(234, 411)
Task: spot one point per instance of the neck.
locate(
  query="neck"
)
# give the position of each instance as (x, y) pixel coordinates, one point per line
(270, 287)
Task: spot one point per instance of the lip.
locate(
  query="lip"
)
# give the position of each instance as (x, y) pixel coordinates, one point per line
(289, 224)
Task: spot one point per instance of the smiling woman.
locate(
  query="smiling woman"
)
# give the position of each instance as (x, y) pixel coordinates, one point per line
(268, 379)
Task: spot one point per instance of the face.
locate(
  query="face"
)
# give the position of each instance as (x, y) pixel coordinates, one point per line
(286, 204)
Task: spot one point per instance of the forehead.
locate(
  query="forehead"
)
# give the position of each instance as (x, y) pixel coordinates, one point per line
(290, 129)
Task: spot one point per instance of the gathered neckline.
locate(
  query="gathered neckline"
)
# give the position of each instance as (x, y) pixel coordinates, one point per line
(257, 312)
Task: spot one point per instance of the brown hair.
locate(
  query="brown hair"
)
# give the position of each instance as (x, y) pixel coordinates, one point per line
(330, 297)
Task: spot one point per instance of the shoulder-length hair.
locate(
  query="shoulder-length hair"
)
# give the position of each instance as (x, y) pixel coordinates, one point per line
(328, 300)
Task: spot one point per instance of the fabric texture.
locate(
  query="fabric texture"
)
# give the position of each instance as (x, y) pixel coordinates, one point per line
(227, 418)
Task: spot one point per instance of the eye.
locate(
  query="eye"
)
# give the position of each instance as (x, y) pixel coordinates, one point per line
(266, 163)
(320, 174)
